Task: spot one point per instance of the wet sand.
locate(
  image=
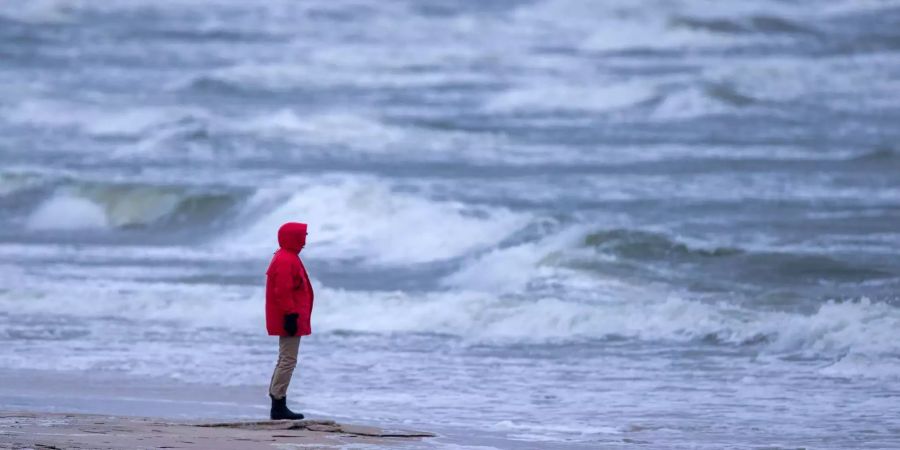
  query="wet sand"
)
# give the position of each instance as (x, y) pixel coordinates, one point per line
(50, 409)
(52, 430)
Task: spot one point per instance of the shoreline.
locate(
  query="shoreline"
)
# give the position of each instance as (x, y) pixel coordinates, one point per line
(22, 429)
(117, 394)
(112, 394)
(51, 403)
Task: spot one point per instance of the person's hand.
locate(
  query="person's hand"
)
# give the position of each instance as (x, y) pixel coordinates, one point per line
(290, 323)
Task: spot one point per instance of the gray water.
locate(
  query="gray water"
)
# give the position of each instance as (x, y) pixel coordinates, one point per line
(538, 224)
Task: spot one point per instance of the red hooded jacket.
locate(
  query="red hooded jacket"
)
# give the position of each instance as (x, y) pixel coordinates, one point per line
(288, 290)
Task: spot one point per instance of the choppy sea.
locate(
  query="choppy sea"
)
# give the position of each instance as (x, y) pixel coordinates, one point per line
(563, 224)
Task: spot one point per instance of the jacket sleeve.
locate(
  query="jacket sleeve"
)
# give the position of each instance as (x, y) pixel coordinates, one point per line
(307, 285)
(283, 287)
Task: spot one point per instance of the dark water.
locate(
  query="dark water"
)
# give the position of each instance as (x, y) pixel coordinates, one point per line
(561, 223)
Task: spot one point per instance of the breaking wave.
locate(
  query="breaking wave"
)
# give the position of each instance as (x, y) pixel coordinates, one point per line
(856, 338)
(581, 256)
(835, 329)
(13, 183)
(368, 220)
(852, 334)
(90, 206)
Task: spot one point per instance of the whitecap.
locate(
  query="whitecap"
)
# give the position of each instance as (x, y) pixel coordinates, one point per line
(324, 129)
(86, 205)
(366, 219)
(563, 95)
(68, 212)
(92, 120)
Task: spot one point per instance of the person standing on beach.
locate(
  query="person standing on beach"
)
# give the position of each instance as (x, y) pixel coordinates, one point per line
(289, 302)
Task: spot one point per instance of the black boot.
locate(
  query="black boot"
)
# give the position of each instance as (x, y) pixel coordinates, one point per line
(280, 410)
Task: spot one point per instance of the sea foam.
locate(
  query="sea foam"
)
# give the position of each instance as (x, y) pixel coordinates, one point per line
(68, 212)
(368, 220)
(851, 335)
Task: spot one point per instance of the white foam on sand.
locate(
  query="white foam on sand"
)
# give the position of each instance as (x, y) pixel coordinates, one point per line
(369, 220)
(550, 430)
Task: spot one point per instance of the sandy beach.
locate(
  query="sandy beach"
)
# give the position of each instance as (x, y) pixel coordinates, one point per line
(49, 430)
(530, 224)
(71, 410)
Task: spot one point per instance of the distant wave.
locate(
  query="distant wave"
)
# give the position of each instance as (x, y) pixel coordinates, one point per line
(641, 244)
(751, 24)
(880, 154)
(583, 256)
(758, 264)
(12, 183)
(311, 82)
(95, 206)
(559, 96)
(103, 121)
(370, 220)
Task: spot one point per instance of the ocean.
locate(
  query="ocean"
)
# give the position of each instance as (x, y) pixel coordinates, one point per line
(533, 224)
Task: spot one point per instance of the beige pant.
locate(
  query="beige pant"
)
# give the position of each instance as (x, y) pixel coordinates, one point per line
(288, 346)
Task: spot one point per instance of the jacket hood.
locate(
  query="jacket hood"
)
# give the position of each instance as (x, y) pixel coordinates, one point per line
(292, 236)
